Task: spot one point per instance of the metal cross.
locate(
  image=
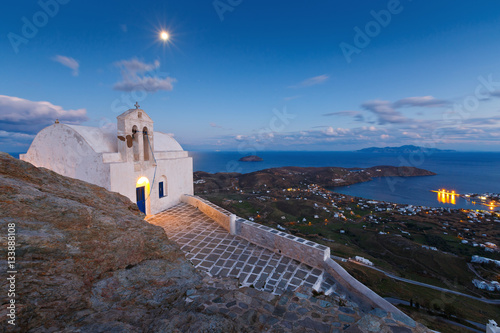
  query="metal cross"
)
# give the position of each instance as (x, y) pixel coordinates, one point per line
(136, 105)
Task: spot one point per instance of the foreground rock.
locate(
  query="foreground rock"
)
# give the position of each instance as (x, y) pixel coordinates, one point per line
(87, 260)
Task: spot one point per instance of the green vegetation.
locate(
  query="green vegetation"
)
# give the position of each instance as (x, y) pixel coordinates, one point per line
(432, 304)
(392, 241)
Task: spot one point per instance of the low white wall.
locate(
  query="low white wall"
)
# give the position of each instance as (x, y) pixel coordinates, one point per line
(297, 248)
(288, 245)
(305, 251)
(224, 218)
(357, 288)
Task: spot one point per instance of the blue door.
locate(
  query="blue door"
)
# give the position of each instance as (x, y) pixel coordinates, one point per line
(141, 198)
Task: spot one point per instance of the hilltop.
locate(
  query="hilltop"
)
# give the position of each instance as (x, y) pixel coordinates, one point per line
(88, 262)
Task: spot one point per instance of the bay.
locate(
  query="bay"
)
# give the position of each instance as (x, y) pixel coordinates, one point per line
(463, 172)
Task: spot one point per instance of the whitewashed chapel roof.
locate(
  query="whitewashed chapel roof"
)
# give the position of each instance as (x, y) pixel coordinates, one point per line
(99, 140)
(102, 141)
(165, 142)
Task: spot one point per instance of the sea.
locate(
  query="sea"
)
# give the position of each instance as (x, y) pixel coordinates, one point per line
(462, 172)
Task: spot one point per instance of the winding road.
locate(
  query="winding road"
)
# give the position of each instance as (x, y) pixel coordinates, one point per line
(392, 276)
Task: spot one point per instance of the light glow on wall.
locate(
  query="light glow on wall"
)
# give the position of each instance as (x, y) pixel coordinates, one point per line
(143, 181)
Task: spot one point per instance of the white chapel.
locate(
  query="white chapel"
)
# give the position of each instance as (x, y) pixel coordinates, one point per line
(150, 168)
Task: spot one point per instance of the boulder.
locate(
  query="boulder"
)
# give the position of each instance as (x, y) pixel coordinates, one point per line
(86, 259)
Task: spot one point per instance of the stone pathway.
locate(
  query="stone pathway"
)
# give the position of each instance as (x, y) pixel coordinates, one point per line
(212, 249)
(262, 290)
(293, 311)
(260, 311)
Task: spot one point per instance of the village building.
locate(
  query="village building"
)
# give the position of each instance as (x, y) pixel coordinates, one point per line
(492, 327)
(148, 167)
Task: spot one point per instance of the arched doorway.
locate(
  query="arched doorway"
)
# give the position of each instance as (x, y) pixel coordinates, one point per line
(142, 189)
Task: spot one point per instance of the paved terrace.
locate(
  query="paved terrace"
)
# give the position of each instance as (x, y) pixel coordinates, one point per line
(212, 249)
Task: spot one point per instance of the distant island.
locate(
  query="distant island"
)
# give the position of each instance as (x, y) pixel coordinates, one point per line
(251, 158)
(402, 149)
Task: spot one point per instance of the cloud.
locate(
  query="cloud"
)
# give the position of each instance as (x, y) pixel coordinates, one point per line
(25, 116)
(482, 121)
(432, 133)
(15, 141)
(286, 99)
(338, 131)
(342, 113)
(133, 66)
(424, 101)
(16, 135)
(215, 125)
(357, 115)
(312, 81)
(68, 62)
(149, 84)
(240, 137)
(140, 76)
(385, 112)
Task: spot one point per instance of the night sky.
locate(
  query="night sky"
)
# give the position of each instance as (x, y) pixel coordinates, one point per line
(278, 75)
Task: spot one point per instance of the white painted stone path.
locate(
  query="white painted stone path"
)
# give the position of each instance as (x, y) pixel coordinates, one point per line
(212, 249)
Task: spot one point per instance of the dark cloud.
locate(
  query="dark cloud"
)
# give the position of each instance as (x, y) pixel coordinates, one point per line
(385, 112)
(342, 113)
(25, 116)
(495, 93)
(422, 101)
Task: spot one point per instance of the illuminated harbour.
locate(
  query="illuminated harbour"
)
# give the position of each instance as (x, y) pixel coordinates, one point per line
(450, 197)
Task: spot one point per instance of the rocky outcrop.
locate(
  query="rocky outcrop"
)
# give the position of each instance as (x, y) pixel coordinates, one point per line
(87, 261)
(251, 158)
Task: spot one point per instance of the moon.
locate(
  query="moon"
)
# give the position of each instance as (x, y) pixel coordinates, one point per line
(164, 36)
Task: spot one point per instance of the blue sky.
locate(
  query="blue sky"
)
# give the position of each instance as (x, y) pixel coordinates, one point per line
(283, 75)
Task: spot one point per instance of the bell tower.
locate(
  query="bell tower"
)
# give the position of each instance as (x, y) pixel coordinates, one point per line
(135, 136)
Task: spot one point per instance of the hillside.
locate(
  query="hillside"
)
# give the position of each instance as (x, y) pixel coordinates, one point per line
(287, 177)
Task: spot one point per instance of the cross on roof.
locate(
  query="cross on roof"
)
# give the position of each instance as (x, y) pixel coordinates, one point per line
(136, 105)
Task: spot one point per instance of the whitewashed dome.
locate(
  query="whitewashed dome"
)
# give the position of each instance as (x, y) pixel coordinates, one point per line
(165, 142)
